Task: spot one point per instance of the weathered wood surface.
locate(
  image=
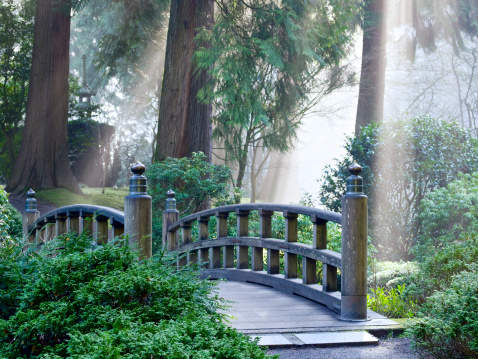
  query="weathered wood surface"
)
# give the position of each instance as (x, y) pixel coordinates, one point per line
(260, 309)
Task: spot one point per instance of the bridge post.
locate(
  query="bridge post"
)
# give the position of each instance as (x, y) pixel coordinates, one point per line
(138, 212)
(354, 249)
(31, 215)
(170, 215)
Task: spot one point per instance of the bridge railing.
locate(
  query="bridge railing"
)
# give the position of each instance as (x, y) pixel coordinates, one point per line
(103, 222)
(246, 254)
(240, 257)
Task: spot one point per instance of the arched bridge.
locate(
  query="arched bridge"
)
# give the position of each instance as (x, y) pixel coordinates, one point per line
(232, 252)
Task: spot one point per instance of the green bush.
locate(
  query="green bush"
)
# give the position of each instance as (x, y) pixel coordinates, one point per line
(75, 301)
(390, 274)
(196, 183)
(402, 161)
(436, 272)
(450, 327)
(392, 302)
(10, 219)
(448, 215)
(194, 180)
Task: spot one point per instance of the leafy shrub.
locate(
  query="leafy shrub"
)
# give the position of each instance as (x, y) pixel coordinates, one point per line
(104, 303)
(10, 219)
(392, 302)
(402, 161)
(391, 274)
(450, 329)
(436, 272)
(195, 181)
(448, 215)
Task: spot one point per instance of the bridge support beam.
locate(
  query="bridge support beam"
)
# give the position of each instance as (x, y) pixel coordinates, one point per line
(354, 249)
(138, 223)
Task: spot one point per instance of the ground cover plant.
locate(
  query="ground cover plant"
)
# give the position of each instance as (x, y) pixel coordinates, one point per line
(68, 299)
(448, 324)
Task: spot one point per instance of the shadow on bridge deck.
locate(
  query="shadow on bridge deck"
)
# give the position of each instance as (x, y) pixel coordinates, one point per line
(258, 309)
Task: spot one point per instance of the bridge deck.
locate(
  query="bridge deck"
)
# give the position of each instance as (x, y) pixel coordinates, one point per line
(260, 309)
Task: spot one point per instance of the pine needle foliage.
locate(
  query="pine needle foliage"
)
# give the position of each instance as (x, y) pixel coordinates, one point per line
(265, 58)
(69, 299)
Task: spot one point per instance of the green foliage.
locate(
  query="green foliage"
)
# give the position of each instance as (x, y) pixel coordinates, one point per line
(390, 274)
(448, 215)
(402, 161)
(10, 219)
(392, 302)
(265, 58)
(437, 271)
(16, 39)
(450, 327)
(194, 180)
(104, 303)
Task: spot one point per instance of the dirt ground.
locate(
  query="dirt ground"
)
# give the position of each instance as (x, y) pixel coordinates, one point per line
(398, 348)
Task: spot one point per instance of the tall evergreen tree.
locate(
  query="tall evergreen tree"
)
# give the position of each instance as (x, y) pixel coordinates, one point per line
(269, 62)
(184, 124)
(432, 21)
(372, 75)
(43, 158)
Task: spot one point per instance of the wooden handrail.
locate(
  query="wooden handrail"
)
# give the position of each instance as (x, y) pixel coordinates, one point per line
(325, 216)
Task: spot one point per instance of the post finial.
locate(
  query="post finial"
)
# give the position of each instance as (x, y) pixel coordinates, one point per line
(138, 169)
(137, 183)
(355, 182)
(31, 202)
(355, 169)
(171, 201)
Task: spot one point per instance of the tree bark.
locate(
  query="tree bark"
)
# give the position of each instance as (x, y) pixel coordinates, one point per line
(372, 76)
(184, 124)
(43, 158)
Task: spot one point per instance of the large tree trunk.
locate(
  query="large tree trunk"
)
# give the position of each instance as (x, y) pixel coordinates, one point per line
(372, 76)
(184, 124)
(43, 158)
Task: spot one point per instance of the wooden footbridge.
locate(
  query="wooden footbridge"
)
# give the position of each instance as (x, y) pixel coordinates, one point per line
(266, 295)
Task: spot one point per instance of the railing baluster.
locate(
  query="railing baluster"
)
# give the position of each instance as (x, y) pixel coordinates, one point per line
(50, 231)
(101, 233)
(73, 222)
(320, 232)
(221, 232)
(203, 236)
(228, 251)
(290, 259)
(187, 238)
(309, 271)
(61, 226)
(117, 228)
(242, 231)
(329, 278)
(86, 222)
(265, 231)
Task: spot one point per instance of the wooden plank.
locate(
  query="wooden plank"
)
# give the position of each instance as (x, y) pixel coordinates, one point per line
(305, 250)
(307, 211)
